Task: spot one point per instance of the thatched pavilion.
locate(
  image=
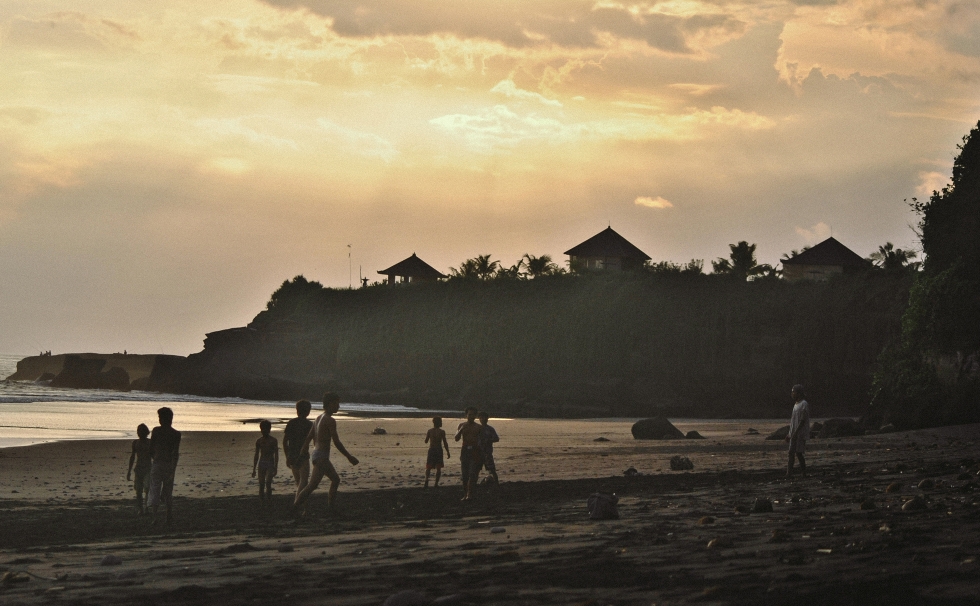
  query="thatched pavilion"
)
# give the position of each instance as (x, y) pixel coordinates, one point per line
(606, 250)
(824, 260)
(412, 269)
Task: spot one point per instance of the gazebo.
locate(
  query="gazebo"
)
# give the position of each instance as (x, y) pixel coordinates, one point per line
(412, 269)
(824, 260)
(606, 250)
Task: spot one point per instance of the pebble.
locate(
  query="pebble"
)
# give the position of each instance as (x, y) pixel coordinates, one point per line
(719, 543)
(893, 487)
(868, 505)
(679, 463)
(631, 472)
(380, 431)
(706, 520)
(14, 577)
(601, 439)
(409, 597)
(410, 544)
(927, 484)
(110, 560)
(915, 504)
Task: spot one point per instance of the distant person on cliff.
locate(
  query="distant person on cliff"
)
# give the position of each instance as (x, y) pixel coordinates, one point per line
(165, 450)
(144, 461)
(799, 431)
(266, 459)
(292, 444)
(469, 456)
(436, 439)
(488, 436)
(323, 432)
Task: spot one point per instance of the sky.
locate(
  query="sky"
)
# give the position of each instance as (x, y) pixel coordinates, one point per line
(165, 165)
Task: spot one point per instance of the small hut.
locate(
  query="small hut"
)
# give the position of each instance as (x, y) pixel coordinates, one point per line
(606, 250)
(829, 258)
(411, 269)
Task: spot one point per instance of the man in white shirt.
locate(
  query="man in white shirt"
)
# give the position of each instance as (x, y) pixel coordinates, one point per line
(799, 431)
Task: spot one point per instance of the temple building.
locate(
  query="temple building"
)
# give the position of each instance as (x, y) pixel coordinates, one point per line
(829, 258)
(411, 269)
(606, 250)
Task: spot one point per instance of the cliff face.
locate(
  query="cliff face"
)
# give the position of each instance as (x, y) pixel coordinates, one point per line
(88, 370)
(628, 344)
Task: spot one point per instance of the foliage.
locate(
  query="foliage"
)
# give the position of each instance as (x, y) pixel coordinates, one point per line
(480, 267)
(535, 267)
(694, 267)
(741, 263)
(892, 259)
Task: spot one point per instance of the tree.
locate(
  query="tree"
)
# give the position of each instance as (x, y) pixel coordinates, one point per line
(480, 267)
(535, 267)
(741, 262)
(892, 259)
(694, 267)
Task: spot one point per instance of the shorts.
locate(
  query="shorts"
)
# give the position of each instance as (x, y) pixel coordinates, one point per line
(319, 455)
(797, 445)
(471, 462)
(141, 480)
(267, 466)
(161, 483)
(297, 461)
(434, 460)
(488, 461)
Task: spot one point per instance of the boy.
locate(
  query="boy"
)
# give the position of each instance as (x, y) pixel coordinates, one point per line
(292, 444)
(165, 450)
(436, 439)
(799, 430)
(469, 455)
(323, 432)
(488, 435)
(266, 459)
(141, 456)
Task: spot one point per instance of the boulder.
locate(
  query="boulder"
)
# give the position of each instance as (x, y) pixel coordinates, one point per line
(79, 373)
(679, 463)
(656, 428)
(779, 434)
(816, 428)
(115, 378)
(915, 504)
(693, 435)
(841, 428)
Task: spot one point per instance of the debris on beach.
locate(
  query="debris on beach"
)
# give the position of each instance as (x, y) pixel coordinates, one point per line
(631, 472)
(720, 542)
(498, 530)
(893, 487)
(12, 577)
(679, 463)
(779, 434)
(916, 503)
(927, 484)
(840, 428)
(601, 439)
(693, 435)
(110, 560)
(656, 428)
(379, 431)
(602, 506)
(816, 428)
(751, 431)
(706, 520)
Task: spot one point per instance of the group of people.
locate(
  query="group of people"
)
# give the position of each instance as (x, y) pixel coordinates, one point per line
(476, 452)
(154, 460)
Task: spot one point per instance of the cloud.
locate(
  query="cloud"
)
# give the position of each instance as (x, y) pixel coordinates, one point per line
(649, 202)
(498, 126)
(509, 89)
(520, 24)
(361, 143)
(931, 181)
(818, 233)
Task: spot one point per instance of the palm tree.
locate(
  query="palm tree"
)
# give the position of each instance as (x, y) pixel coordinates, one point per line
(535, 267)
(741, 263)
(893, 259)
(479, 267)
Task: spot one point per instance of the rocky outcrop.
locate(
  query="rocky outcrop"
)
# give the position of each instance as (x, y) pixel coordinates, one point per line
(779, 434)
(840, 428)
(86, 373)
(657, 428)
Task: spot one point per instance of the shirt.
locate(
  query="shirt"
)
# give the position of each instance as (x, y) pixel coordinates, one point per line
(800, 420)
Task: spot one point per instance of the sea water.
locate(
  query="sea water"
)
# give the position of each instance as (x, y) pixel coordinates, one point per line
(31, 413)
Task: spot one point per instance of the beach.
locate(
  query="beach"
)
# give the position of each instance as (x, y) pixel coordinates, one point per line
(682, 537)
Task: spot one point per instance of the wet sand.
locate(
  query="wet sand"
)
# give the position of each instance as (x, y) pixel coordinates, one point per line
(682, 537)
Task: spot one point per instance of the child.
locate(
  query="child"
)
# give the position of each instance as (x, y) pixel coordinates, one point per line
(141, 456)
(266, 458)
(165, 449)
(324, 432)
(488, 435)
(436, 439)
(469, 456)
(292, 444)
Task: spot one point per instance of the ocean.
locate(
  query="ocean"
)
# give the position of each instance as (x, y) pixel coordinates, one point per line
(32, 413)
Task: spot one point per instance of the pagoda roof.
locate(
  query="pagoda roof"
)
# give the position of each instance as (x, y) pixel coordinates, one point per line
(413, 267)
(828, 252)
(608, 243)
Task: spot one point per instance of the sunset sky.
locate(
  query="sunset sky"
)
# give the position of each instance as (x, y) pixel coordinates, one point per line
(164, 166)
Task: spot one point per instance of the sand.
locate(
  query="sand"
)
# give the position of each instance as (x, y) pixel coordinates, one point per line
(681, 537)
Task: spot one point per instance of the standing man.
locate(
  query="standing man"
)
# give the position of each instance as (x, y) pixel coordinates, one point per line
(165, 450)
(323, 432)
(293, 439)
(799, 431)
(469, 456)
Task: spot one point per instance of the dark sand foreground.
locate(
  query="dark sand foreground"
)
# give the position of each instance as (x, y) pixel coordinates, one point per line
(683, 537)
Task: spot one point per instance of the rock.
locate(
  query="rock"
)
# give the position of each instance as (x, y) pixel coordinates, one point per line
(408, 597)
(631, 472)
(720, 542)
(868, 504)
(602, 506)
(778, 536)
(887, 428)
(498, 530)
(285, 548)
(86, 373)
(110, 560)
(841, 428)
(762, 505)
(815, 428)
(706, 520)
(679, 463)
(779, 434)
(410, 544)
(601, 439)
(12, 577)
(893, 487)
(751, 431)
(741, 509)
(380, 431)
(927, 484)
(657, 428)
(693, 435)
(915, 504)
(45, 378)
(238, 548)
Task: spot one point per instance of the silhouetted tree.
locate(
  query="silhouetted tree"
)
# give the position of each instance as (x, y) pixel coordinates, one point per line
(741, 262)
(694, 267)
(893, 259)
(535, 267)
(480, 267)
